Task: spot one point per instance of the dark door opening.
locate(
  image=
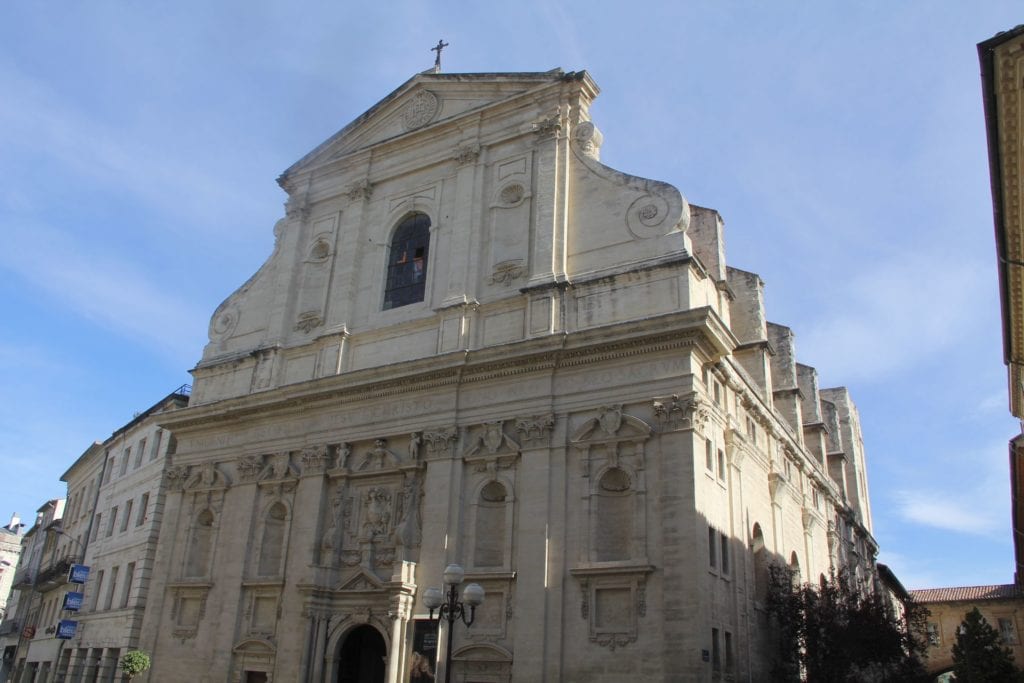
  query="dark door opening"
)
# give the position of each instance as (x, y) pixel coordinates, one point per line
(363, 657)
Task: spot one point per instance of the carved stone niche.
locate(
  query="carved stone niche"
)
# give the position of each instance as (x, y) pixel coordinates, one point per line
(482, 663)
(613, 600)
(253, 655)
(188, 608)
(497, 610)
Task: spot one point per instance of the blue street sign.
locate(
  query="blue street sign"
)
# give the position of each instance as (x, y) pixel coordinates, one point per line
(79, 573)
(73, 601)
(66, 629)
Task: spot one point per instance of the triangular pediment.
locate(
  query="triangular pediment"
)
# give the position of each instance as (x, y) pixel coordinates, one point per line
(423, 101)
(362, 581)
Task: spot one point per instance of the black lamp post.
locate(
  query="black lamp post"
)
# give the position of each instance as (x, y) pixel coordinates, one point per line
(450, 608)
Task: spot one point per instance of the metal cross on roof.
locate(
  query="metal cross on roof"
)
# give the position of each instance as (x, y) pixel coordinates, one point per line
(437, 60)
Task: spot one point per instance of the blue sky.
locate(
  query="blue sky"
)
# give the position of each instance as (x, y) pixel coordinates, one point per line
(842, 142)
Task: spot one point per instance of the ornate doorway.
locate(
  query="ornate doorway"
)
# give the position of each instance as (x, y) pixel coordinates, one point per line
(363, 656)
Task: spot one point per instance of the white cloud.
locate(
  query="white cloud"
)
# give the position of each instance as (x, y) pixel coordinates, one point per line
(974, 502)
(112, 293)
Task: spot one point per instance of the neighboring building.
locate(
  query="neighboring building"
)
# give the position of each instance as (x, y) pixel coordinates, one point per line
(475, 343)
(1002, 606)
(1002, 59)
(11, 544)
(10, 552)
(41, 572)
(115, 494)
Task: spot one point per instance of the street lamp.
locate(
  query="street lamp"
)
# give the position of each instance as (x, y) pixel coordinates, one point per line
(450, 608)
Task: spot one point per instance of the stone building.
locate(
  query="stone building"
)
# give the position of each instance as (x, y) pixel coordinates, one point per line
(113, 515)
(43, 565)
(475, 343)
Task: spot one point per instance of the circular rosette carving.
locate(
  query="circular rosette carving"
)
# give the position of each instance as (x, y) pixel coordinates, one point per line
(648, 216)
(223, 322)
(420, 111)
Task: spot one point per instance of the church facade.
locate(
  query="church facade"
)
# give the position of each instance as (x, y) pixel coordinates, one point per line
(474, 343)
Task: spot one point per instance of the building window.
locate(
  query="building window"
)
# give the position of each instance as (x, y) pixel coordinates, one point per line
(933, 634)
(721, 464)
(730, 659)
(129, 578)
(273, 540)
(110, 469)
(96, 525)
(124, 461)
(156, 444)
(112, 589)
(614, 529)
(127, 516)
(1007, 631)
(760, 564)
(140, 451)
(491, 524)
(716, 652)
(98, 589)
(143, 505)
(407, 262)
(718, 393)
(112, 521)
(712, 547)
(709, 456)
(725, 552)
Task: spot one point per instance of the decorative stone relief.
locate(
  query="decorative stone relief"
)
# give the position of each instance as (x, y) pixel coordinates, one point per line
(466, 154)
(535, 431)
(224, 321)
(314, 459)
(506, 272)
(188, 608)
(278, 466)
(613, 602)
(439, 441)
(206, 476)
(420, 110)
(379, 457)
(408, 531)
(297, 207)
(176, 476)
(512, 194)
(377, 513)
(588, 139)
(489, 438)
(548, 127)
(249, 467)
(308, 321)
(359, 190)
(688, 412)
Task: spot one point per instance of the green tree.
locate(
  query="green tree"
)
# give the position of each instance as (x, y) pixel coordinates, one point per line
(978, 654)
(833, 633)
(133, 663)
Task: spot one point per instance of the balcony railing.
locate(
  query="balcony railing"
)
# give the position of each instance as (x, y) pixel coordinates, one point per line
(55, 573)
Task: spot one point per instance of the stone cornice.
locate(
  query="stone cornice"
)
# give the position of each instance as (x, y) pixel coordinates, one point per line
(686, 329)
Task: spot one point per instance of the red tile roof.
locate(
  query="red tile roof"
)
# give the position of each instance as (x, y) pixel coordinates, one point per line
(968, 593)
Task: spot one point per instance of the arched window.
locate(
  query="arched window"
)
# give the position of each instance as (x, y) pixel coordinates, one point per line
(794, 570)
(760, 564)
(489, 544)
(407, 262)
(614, 516)
(273, 540)
(198, 563)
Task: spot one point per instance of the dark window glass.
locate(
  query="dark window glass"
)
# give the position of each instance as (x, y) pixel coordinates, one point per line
(407, 262)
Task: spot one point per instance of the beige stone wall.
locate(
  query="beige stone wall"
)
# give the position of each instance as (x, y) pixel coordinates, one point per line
(1006, 616)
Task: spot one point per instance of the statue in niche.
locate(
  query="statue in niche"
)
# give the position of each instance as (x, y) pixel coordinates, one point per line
(344, 454)
(407, 531)
(414, 446)
(378, 513)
